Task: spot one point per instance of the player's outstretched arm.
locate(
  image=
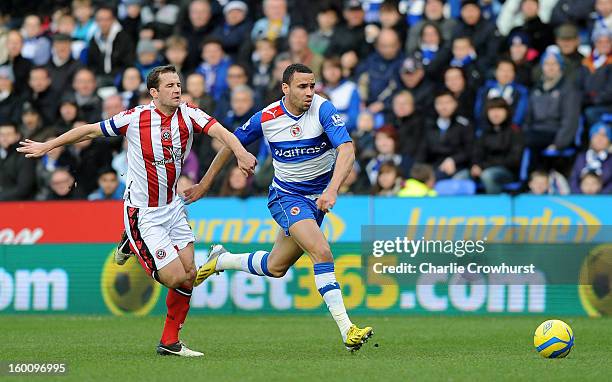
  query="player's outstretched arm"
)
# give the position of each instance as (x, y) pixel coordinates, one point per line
(344, 164)
(246, 160)
(33, 149)
(200, 189)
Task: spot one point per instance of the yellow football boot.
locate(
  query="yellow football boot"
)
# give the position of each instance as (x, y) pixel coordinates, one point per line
(207, 270)
(356, 337)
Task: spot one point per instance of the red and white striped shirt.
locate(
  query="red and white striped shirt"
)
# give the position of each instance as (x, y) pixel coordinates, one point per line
(157, 147)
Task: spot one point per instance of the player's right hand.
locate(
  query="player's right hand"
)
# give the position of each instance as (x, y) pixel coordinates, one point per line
(247, 163)
(195, 192)
(33, 149)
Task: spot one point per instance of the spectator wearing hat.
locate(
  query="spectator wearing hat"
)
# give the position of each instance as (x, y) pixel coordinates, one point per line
(448, 138)
(523, 56)
(379, 71)
(147, 57)
(567, 40)
(412, 78)
(36, 46)
(235, 29)
(19, 65)
(597, 159)
(541, 35)
(434, 13)
(42, 97)
(554, 109)
(497, 153)
(62, 66)
(10, 103)
(111, 49)
(596, 77)
(275, 23)
(350, 38)
(482, 33)
(17, 173)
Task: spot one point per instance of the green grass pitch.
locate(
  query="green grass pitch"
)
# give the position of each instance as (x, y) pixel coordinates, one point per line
(306, 348)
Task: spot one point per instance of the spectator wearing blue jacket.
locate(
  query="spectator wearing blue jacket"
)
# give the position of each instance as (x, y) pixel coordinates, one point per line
(214, 67)
(504, 86)
(235, 29)
(379, 70)
(342, 92)
(110, 188)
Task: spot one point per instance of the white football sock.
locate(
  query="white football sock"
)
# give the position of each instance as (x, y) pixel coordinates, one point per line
(325, 280)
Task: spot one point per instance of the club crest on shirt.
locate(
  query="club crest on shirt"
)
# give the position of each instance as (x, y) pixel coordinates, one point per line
(296, 131)
(160, 254)
(295, 210)
(166, 136)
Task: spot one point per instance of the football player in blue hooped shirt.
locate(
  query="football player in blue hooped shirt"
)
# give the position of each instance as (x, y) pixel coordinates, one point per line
(312, 155)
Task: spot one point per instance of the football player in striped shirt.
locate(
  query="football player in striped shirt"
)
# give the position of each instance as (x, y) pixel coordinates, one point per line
(159, 138)
(312, 155)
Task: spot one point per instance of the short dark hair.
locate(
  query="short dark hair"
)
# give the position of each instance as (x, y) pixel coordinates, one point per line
(153, 77)
(505, 60)
(422, 172)
(106, 170)
(292, 69)
(498, 103)
(444, 92)
(108, 8)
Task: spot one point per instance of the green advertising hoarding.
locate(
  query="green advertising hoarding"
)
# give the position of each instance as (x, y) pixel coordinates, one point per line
(83, 279)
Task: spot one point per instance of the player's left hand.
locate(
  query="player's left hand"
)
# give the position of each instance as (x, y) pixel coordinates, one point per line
(327, 200)
(246, 163)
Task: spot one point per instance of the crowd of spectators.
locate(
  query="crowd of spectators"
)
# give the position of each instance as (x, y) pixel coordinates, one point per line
(505, 96)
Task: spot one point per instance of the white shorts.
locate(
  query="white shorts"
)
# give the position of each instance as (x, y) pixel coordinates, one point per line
(158, 233)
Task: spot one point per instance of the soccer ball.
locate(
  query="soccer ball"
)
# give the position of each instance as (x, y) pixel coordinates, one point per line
(553, 339)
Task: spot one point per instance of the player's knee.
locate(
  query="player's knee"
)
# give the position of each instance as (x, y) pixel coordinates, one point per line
(322, 253)
(191, 275)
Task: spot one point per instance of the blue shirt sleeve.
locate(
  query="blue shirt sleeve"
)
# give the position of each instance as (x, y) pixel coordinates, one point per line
(250, 131)
(333, 125)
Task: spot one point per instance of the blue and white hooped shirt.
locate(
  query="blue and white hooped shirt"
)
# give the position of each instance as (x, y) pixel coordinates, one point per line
(303, 147)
